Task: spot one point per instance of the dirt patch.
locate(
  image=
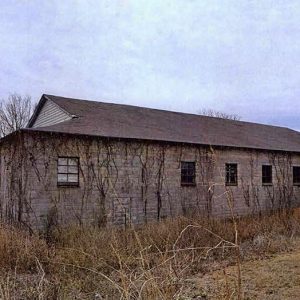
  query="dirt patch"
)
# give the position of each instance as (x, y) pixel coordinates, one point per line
(277, 277)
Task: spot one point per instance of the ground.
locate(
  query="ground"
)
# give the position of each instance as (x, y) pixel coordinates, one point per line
(276, 277)
(179, 259)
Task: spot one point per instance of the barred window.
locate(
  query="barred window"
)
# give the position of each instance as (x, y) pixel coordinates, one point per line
(68, 171)
(266, 175)
(188, 173)
(296, 175)
(231, 174)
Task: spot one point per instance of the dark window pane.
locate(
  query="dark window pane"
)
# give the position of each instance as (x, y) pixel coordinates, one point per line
(231, 174)
(188, 174)
(296, 175)
(266, 174)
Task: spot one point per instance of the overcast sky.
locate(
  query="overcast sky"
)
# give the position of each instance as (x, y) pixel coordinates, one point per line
(236, 56)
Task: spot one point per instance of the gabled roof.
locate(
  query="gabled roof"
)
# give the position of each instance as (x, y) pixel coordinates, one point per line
(131, 122)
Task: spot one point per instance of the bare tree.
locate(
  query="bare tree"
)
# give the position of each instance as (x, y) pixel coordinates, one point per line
(15, 112)
(219, 114)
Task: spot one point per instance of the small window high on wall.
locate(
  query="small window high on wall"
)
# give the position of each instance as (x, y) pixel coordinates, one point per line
(68, 171)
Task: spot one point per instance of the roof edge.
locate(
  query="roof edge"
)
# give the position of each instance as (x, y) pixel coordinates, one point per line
(35, 130)
(12, 135)
(36, 111)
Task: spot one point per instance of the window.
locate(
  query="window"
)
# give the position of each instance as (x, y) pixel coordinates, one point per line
(266, 175)
(231, 174)
(296, 175)
(188, 173)
(68, 171)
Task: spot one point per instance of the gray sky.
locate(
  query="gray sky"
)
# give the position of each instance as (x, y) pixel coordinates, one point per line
(236, 56)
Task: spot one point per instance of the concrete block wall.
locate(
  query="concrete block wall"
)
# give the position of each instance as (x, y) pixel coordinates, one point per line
(134, 182)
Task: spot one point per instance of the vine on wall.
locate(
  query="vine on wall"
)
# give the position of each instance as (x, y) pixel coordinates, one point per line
(124, 182)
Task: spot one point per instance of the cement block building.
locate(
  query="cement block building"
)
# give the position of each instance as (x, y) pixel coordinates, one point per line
(98, 163)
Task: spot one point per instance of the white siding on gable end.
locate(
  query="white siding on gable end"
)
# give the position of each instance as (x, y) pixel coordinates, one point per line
(50, 114)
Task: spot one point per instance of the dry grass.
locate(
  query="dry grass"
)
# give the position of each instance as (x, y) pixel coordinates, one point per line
(154, 261)
(276, 277)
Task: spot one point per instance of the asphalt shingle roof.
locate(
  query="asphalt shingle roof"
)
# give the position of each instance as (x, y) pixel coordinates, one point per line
(132, 122)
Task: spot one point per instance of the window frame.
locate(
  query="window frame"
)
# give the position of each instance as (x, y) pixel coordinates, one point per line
(66, 183)
(227, 183)
(298, 182)
(193, 176)
(266, 183)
